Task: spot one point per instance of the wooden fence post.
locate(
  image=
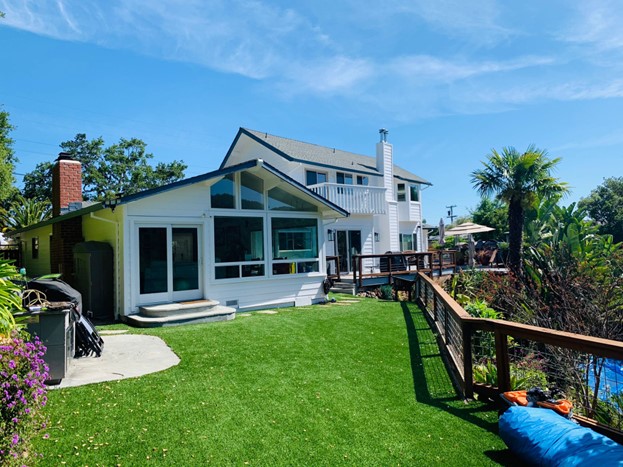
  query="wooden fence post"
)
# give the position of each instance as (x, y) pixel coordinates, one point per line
(502, 361)
(468, 375)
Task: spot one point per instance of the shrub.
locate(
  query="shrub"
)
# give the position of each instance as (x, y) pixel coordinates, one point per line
(10, 299)
(387, 292)
(23, 396)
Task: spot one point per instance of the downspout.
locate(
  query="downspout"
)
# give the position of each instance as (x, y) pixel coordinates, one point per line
(117, 245)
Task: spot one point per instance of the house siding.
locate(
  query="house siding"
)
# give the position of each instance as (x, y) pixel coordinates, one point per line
(41, 265)
(190, 206)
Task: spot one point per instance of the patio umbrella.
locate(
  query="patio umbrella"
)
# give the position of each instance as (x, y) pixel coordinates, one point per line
(469, 229)
(442, 231)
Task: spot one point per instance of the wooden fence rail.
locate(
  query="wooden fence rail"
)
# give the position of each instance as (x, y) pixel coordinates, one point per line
(458, 333)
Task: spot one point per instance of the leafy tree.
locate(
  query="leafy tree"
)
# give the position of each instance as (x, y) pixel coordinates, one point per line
(518, 179)
(38, 183)
(492, 213)
(605, 206)
(7, 159)
(106, 171)
(23, 212)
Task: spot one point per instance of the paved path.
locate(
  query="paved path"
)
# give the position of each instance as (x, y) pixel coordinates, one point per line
(124, 356)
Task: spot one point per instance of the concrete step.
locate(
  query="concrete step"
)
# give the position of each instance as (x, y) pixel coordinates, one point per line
(343, 287)
(169, 309)
(172, 314)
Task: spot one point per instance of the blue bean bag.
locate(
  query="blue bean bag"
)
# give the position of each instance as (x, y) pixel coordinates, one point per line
(542, 437)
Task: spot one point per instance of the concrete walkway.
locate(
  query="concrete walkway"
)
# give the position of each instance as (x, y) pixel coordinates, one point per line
(124, 356)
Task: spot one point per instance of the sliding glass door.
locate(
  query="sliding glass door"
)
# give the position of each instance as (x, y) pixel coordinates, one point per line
(168, 263)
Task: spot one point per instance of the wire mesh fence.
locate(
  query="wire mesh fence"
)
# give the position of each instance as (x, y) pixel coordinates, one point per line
(501, 356)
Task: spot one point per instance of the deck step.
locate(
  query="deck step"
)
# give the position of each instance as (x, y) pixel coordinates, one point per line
(343, 287)
(169, 309)
(173, 314)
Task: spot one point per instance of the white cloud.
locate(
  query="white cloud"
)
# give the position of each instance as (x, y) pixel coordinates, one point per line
(429, 69)
(477, 20)
(307, 50)
(596, 23)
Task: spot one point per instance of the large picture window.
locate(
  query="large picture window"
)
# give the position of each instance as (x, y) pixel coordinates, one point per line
(294, 243)
(238, 246)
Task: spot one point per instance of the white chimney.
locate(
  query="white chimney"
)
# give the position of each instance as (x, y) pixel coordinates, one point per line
(385, 164)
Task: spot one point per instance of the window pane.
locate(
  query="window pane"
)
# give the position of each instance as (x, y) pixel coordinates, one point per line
(406, 242)
(294, 238)
(222, 193)
(307, 266)
(401, 194)
(153, 259)
(238, 239)
(313, 177)
(35, 248)
(227, 272)
(362, 180)
(415, 193)
(280, 200)
(251, 191)
(185, 259)
(344, 178)
(252, 270)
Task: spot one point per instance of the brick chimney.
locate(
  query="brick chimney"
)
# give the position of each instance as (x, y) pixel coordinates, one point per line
(66, 183)
(66, 196)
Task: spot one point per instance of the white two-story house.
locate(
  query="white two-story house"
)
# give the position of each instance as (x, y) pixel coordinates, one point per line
(384, 200)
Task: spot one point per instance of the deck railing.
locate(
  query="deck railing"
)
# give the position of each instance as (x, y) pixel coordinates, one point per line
(356, 199)
(491, 356)
(386, 266)
(333, 268)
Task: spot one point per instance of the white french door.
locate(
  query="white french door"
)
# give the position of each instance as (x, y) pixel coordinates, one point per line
(168, 263)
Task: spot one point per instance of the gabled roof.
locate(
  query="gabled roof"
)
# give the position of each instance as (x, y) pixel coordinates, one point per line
(181, 183)
(298, 151)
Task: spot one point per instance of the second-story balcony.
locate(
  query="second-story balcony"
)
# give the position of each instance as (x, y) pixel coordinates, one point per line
(356, 199)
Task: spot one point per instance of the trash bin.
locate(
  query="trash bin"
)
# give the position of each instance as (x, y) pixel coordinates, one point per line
(55, 328)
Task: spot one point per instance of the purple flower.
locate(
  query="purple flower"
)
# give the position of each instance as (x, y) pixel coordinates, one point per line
(15, 439)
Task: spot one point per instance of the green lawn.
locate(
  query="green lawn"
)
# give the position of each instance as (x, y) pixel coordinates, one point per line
(352, 384)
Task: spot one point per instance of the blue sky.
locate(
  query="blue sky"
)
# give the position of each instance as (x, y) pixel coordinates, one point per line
(450, 79)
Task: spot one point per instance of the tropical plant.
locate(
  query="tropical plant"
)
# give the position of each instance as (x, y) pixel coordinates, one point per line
(517, 179)
(10, 298)
(23, 212)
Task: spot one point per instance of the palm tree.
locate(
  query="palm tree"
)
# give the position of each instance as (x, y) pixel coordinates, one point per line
(23, 212)
(519, 180)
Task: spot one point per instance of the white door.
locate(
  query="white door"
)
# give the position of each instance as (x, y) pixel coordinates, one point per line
(168, 263)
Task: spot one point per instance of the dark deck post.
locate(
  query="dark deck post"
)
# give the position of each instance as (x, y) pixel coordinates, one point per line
(502, 361)
(468, 376)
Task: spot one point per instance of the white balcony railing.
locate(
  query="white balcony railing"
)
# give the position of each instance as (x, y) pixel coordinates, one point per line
(356, 199)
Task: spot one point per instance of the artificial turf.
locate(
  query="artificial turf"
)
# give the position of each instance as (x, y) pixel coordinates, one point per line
(336, 384)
